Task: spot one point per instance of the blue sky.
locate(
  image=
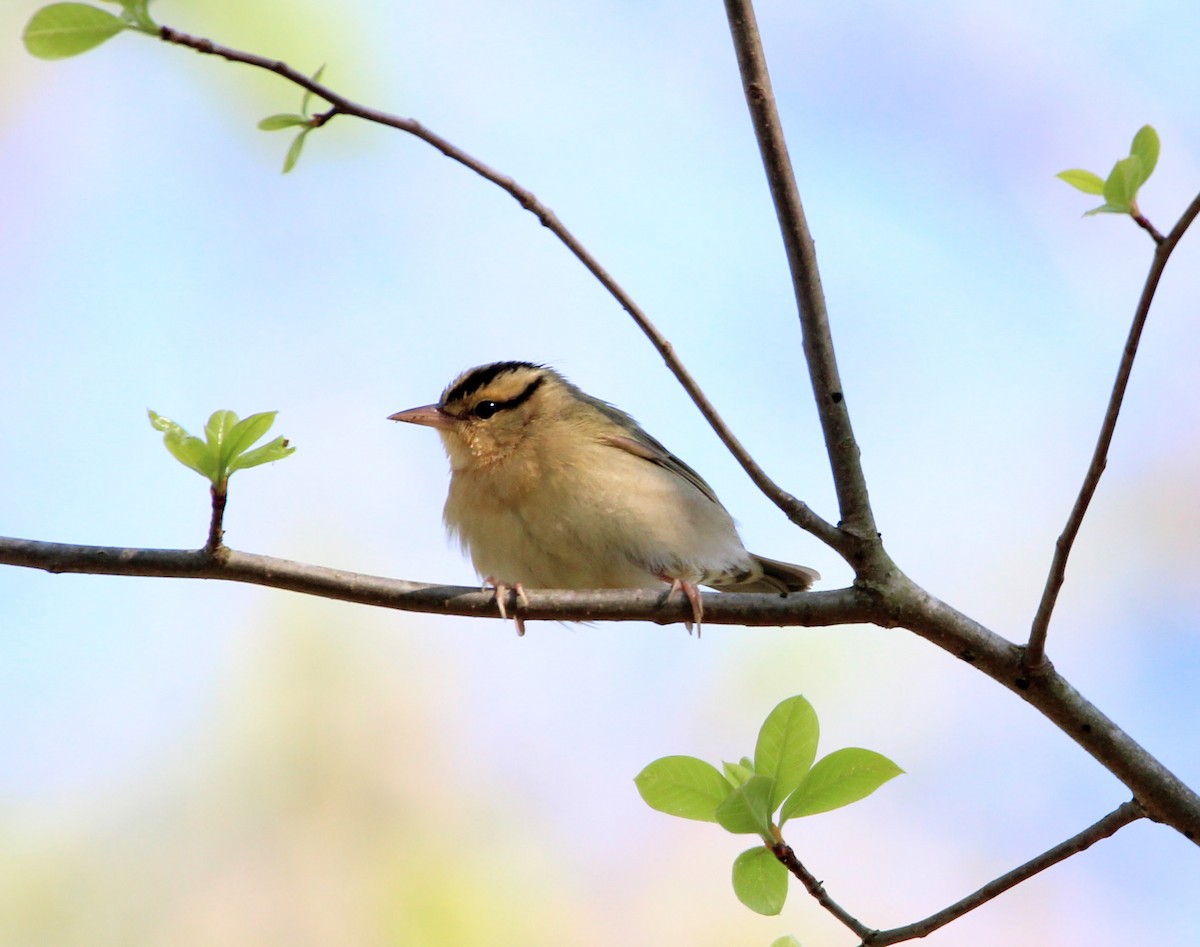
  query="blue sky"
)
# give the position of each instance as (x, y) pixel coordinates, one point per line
(154, 257)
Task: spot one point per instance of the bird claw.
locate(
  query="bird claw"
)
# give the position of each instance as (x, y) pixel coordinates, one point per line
(691, 592)
(501, 590)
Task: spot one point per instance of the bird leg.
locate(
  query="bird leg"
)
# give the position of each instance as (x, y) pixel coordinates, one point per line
(691, 591)
(501, 589)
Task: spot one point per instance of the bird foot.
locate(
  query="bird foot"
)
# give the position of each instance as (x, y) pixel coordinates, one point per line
(691, 592)
(501, 589)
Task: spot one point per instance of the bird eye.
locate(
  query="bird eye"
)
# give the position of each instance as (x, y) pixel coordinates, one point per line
(485, 409)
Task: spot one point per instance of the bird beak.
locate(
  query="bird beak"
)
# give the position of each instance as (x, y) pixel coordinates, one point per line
(430, 415)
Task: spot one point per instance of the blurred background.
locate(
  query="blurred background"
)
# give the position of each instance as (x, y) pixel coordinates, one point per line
(201, 763)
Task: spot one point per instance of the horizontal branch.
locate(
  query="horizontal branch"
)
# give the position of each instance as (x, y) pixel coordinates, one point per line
(902, 604)
(844, 606)
(1165, 797)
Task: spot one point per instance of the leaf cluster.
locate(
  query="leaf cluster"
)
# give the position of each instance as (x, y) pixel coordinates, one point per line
(757, 796)
(61, 30)
(228, 444)
(301, 119)
(1120, 188)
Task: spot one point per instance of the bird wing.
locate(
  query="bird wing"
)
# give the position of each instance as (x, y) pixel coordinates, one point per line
(649, 449)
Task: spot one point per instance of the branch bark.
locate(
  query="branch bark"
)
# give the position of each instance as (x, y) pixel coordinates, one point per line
(1117, 819)
(849, 481)
(787, 857)
(1120, 817)
(808, 609)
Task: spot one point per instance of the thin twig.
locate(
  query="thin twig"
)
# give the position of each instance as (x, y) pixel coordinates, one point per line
(1141, 221)
(853, 501)
(797, 511)
(1120, 817)
(1035, 650)
(809, 608)
(788, 858)
(216, 528)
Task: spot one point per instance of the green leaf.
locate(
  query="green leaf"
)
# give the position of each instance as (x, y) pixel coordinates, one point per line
(273, 123)
(137, 12)
(1107, 209)
(159, 423)
(275, 450)
(787, 940)
(68, 29)
(1145, 148)
(747, 810)
(246, 431)
(787, 746)
(216, 431)
(192, 452)
(737, 773)
(683, 786)
(140, 11)
(188, 450)
(307, 97)
(760, 881)
(842, 777)
(1122, 184)
(1085, 181)
(293, 152)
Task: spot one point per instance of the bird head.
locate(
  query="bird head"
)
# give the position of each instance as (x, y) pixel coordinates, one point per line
(489, 412)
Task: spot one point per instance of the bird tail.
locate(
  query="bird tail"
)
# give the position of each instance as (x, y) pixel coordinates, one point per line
(780, 577)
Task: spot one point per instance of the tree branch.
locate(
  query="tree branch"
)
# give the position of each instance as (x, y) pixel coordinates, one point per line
(788, 859)
(796, 510)
(853, 501)
(903, 604)
(1161, 793)
(884, 595)
(1120, 817)
(810, 608)
(1035, 650)
(216, 528)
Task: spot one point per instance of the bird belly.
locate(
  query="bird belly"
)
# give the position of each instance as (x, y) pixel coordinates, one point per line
(607, 521)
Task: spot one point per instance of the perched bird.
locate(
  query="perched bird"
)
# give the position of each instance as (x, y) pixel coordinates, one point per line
(552, 488)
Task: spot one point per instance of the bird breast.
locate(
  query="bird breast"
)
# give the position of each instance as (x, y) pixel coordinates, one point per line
(593, 517)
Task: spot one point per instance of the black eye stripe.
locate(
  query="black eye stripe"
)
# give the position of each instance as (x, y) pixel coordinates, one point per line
(481, 377)
(492, 408)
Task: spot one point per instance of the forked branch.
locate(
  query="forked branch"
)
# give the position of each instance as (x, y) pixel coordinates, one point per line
(888, 598)
(796, 510)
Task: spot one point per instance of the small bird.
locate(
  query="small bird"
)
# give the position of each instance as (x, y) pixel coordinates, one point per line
(552, 488)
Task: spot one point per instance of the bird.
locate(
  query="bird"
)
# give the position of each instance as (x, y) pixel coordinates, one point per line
(551, 488)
